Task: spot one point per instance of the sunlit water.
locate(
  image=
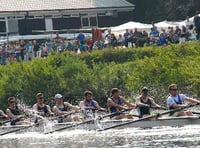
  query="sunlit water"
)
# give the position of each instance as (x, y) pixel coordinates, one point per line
(165, 137)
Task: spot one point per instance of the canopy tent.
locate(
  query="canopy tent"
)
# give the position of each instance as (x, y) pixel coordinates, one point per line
(131, 25)
(141, 26)
(165, 24)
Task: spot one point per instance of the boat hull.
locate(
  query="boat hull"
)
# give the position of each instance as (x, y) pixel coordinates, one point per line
(50, 126)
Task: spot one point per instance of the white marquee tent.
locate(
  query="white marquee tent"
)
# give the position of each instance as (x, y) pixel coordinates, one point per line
(142, 26)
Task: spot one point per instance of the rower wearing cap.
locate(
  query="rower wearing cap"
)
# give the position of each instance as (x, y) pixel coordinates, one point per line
(176, 100)
(117, 103)
(15, 112)
(41, 108)
(144, 103)
(63, 109)
(88, 105)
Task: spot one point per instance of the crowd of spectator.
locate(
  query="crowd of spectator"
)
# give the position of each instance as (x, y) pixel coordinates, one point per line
(26, 50)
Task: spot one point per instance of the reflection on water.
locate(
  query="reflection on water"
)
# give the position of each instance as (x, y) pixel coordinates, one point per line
(188, 136)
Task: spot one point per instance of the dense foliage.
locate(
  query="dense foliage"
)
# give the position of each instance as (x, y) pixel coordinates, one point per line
(159, 10)
(99, 71)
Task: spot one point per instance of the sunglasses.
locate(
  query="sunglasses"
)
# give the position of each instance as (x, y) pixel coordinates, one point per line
(12, 102)
(40, 98)
(174, 89)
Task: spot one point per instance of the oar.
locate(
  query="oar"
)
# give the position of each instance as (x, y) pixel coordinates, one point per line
(9, 120)
(196, 112)
(87, 121)
(5, 121)
(64, 115)
(147, 117)
(134, 115)
(19, 129)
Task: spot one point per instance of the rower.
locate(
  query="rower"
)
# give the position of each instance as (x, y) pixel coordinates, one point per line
(41, 108)
(117, 103)
(88, 105)
(175, 100)
(62, 110)
(144, 103)
(15, 112)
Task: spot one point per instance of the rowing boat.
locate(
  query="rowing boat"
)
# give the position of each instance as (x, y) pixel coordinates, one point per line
(99, 124)
(160, 122)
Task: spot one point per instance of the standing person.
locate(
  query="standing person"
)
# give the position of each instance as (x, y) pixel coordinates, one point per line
(15, 112)
(89, 105)
(197, 24)
(188, 23)
(126, 37)
(117, 103)
(17, 51)
(36, 48)
(41, 108)
(107, 39)
(144, 103)
(3, 54)
(176, 100)
(22, 48)
(65, 108)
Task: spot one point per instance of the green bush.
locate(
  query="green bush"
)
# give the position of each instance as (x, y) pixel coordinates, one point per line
(100, 71)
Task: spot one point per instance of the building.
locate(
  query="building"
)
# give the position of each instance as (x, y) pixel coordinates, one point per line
(24, 16)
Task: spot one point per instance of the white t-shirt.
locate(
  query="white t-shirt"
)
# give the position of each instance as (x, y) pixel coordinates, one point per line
(174, 100)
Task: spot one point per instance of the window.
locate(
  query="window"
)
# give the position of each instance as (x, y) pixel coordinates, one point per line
(89, 21)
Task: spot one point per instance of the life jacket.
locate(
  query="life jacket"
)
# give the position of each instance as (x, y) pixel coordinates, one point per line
(142, 110)
(118, 101)
(177, 102)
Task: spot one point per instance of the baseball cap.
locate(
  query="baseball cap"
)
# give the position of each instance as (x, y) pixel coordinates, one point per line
(145, 90)
(58, 96)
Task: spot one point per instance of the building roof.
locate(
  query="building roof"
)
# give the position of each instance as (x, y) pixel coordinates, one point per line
(48, 5)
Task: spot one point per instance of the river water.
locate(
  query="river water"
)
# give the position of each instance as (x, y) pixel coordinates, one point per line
(165, 137)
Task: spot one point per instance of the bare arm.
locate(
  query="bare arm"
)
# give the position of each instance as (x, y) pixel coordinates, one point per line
(191, 100)
(3, 114)
(81, 105)
(58, 112)
(113, 104)
(154, 104)
(11, 115)
(49, 110)
(35, 107)
(130, 105)
(73, 107)
(99, 107)
(140, 104)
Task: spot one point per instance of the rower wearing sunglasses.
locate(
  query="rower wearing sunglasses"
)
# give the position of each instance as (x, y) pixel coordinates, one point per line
(41, 108)
(176, 100)
(16, 112)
